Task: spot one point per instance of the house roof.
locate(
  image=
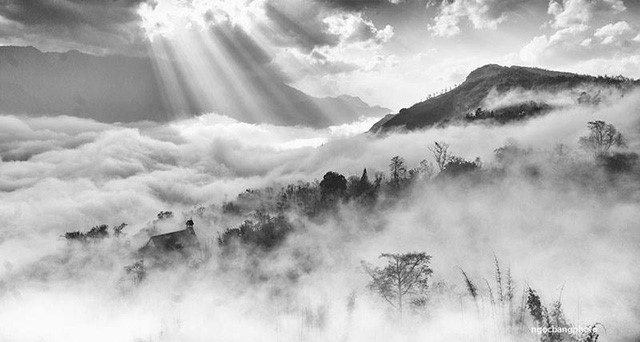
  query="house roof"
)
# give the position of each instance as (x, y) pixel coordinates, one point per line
(173, 241)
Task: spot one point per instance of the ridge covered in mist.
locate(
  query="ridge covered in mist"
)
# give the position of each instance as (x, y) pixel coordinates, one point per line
(470, 101)
(289, 225)
(178, 177)
(127, 89)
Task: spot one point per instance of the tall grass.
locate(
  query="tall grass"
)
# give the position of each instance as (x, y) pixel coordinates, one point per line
(530, 320)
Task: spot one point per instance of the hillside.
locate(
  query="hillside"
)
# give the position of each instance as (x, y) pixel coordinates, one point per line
(464, 101)
(127, 89)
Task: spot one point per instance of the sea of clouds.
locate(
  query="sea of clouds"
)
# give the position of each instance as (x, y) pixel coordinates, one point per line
(66, 174)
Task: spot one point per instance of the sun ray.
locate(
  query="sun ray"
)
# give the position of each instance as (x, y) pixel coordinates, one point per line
(218, 57)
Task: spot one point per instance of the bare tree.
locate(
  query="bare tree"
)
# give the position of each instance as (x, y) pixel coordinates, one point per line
(441, 154)
(405, 276)
(601, 138)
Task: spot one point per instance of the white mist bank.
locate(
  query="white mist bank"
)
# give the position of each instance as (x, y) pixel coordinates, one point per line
(67, 174)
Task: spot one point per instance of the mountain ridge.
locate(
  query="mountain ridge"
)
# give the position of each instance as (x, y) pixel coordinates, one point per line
(467, 98)
(116, 88)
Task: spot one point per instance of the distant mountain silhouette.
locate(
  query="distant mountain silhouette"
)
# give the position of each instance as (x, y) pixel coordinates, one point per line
(464, 101)
(126, 89)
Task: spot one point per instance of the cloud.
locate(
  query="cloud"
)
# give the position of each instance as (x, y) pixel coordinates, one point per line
(71, 13)
(299, 26)
(482, 14)
(355, 45)
(124, 26)
(353, 28)
(575, 49)
(304, 38)
(610, 65)
(129, 173)
(22, 138)
(586, 42)
(360, 4)
(92, 25)
(350, 42)
(574, 39)
(612, 32)
(546, 47)
(312, 27)
(568, 13)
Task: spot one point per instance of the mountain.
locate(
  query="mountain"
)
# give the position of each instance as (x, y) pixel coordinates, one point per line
(464, 102)
(127, 89)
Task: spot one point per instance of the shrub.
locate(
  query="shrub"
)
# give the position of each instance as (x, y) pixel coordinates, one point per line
(264, 231)
(619, 162)
(333, 186)
(458, 166)
(97, 232)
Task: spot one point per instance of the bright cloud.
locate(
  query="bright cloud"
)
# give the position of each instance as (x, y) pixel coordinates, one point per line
(352, 27)
(612, 32)
(580, 12)
(582, 31)
(482, 14)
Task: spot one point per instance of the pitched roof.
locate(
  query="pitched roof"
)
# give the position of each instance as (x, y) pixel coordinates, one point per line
(174, 241)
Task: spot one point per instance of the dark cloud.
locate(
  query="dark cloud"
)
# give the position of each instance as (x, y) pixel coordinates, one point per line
(108, 26)
(505, 6)
(310, 30)
(359, 4)
(319, 31)
(99, 24)
(102, 14)
(303, 29)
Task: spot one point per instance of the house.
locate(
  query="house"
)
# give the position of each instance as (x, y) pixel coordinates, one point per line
(184, 242)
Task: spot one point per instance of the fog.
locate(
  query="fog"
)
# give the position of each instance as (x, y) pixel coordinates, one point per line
(571, 232)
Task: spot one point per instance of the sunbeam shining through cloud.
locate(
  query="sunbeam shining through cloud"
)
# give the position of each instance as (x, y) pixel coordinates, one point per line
(319, 170)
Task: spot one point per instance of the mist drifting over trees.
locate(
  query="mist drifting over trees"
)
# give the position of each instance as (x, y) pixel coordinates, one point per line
(319, 170)
(467, 231)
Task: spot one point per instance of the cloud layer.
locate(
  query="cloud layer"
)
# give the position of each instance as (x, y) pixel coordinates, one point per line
(69, 174)
(98, 26)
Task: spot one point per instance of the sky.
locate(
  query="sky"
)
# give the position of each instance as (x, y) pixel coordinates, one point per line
(388, 52)
(561, 224)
